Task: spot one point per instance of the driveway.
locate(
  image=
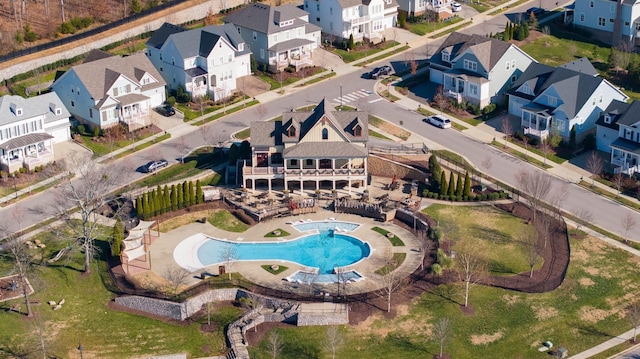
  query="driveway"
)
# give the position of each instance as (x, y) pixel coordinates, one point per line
(252, 85)
(326, 59)
(69, 149)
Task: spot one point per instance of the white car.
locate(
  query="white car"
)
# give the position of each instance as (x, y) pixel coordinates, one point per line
(456, 6)
(438, 120)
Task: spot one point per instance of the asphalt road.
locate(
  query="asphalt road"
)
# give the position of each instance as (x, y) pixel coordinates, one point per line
(606, 214)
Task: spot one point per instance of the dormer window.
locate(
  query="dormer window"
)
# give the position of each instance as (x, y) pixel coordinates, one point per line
(15, 109)
(291, 132)
(241, 47)
(55, 109)
(357, 130)
(446, 56)
(325, 134)
(607, 118)
(285, 23)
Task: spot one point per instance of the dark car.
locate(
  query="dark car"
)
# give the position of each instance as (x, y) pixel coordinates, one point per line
(166, 110)
(535, 11)
(155, 165)
(379, 71)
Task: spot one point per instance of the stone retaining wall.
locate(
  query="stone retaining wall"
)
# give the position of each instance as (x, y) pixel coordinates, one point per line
(194, 13)
(306, 319)
(378, 166)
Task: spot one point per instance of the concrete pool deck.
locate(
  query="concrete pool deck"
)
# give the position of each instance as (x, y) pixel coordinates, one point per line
(162, 249)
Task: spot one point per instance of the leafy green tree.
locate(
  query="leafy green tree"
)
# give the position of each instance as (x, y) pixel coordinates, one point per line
(467, 185)
(352, 44)
(245, 150)
(118, 238)
(459, 188)
(152, 203)
(191, 194)
(533, 21)
(233, 155)
(451, 191)
(443, 183)
(186, 199)
(174, 198)
(166, 201)
(402, 19)
(180, 196)
(139, 206)
(159, 199)
(199, 194)
(572, 137)
(136, 6)
(525, 29)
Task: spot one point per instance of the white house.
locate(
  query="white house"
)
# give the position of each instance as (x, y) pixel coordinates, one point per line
(618, 132)
(318, 148)
(442, 8)
(203, 61)
(107, 90)
(476, 68)
(612, 22)
(364, 19)
(548, 98)
(279, 36)
(29, 128)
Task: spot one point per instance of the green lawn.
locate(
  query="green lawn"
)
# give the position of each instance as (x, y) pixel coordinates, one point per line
(86, 318)
(103, 147)
(424, 28)
(396, 261)
(493, 231)
(350, 56)
(224, 220)
(278, 232)
(395, 240)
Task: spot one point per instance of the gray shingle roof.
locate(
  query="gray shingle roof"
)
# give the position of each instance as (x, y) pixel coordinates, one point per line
(616, 110)
(626, 145)
(574, 88)
(487, 50)
(160, 36)
(325, 150)
(25, 140)
(289, 44)
(31, 107)
(350, 3)
(581, 65)
(197, 42)
(262, 18)
(98, 76)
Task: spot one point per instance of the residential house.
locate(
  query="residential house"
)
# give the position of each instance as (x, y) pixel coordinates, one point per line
(204, 61)
(28, 129)
(309, 149)
(364, 19)
(612, 22)
(560, 98)
(618, 133)
(442, 8)
(476, 68)
(279, 36)
(105, 91)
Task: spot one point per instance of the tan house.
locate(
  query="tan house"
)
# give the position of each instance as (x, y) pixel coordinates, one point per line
(315, 149)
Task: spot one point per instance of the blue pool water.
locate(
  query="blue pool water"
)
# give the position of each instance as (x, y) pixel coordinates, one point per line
(325, 251)
(326, 225)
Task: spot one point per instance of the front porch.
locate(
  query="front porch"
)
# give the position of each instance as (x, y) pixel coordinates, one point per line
(134, 111)
(27, 152)
(625, 156)
(296, 53)
(536, 120)
(462, 87)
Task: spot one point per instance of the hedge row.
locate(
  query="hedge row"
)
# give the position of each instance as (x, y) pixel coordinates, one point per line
(479, 197)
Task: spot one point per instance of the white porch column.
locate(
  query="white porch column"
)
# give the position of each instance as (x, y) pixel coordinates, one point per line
(301, 186)
(349, 184)
(253, 185)
(269, 181)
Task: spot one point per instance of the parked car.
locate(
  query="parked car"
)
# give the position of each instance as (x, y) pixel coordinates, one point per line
(380, 71)
(535, 11)
(155, 165)
(455, 6)
(166, 110)
(438, 120)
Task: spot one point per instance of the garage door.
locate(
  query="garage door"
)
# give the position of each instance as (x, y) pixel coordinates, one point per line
(60, 135)
(515, 106)
(156, 100)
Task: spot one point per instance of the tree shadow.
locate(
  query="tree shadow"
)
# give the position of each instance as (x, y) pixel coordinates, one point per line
(441, 294)
(500, 268)
(492, 234)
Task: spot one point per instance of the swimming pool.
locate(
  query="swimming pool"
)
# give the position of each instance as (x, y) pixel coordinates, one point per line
(325, 250)
(325, 226)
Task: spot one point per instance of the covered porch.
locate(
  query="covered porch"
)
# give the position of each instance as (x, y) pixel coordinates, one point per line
(625, 156)
(536, 120)
(134, 111)
(26, 151)
(462, 86)
(196, 83)
(295, 52)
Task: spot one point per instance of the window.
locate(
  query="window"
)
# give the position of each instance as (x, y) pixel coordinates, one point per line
(331, 26)
(514, 78)
(513, 64)
(91, 112)
(330, 11)
(309, 162)
(612, 8)
(291, 132)
(581, 17)
(507, 65)
(255, 36)
(552, 101)
(611, 20)
(473, 89)
(262, 53)
(71, 88)
(377, 25)
(600, 99)
(294, 162)
(238, 29)
(325, 134)
(115, 92)
(306, 5)
(318, 7)
(601, 21)
(221, 60)
(591, 3)
(470, 65)
(275, 38)
(637, 26)
(445, 56)
(626, 23)
(73, 104)
(357, 131)
(230, 58)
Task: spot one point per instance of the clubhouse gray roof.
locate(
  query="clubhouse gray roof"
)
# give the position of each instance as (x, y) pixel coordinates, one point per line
(197, 42)
(32, 107)
(25, 140)
(289, 44)
(325, 150)
(262, 18)
(98, 76)
(574, 88)
(487, 50)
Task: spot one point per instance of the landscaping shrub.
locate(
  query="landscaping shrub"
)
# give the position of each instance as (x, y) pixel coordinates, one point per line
(589, 142)
(473, 108)
(489, 108)
(436, 269)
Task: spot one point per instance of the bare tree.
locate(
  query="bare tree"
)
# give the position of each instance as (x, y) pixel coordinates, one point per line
(440, 100)
(413, 65)
(537, 185)
(426, 246)
(333, 340)
(525, 141)
(442, 329)
(243, 84)
(201, 102)
(470, 268)
(183, 147)
(628, 222)
(228, 255)
(583, 215)
(594, 165)
(260, 111)
(18, 251)
(177, 276)
(633, 316)
(546, 31)
(560, 195)
(545, 147)
(89, 192)
(427, 51)
(532, 248)
(389, 279)
(209, 306)
(274, 344)
(507, 129)
(618, 181)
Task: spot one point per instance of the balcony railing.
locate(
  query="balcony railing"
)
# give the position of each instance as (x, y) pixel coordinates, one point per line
(359, 20)
(538, 133)
(248, 170)
(304, 172)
